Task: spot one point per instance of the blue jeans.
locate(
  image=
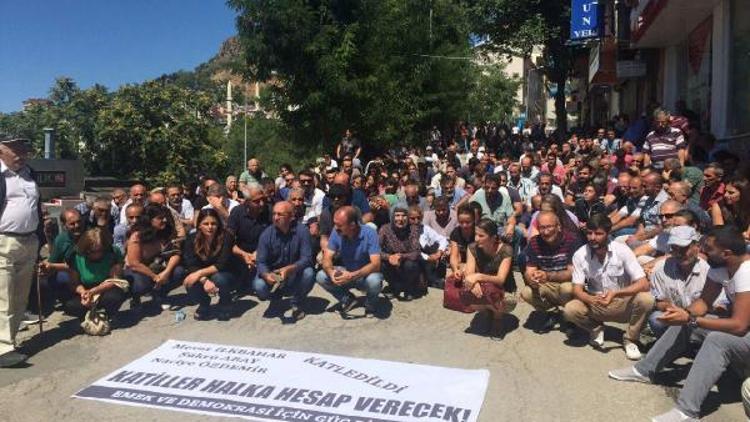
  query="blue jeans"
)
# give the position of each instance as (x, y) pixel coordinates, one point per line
(298, 286)
(141, 284)
(223, 280)
(372, 285)
(657, 326)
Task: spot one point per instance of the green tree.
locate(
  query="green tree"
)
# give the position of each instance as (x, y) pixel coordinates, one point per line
(493, 97)
(517, 26)
(382, 66)
(158, 132)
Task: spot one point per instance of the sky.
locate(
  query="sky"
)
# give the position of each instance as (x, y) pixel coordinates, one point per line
(110, 42)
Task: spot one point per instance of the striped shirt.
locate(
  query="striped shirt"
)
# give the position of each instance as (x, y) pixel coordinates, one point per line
(662, 146)
(547, 257)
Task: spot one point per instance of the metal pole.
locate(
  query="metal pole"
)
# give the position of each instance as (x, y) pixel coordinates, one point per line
(244, 156)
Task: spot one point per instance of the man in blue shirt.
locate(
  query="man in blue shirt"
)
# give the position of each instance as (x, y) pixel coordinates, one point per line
(284, 260)
(357, 248)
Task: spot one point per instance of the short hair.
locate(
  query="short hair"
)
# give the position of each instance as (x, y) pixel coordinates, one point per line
(416, 208)
(296, 191)
(350, 213)
(717, 168)
(683, 187)
(66, 211)
(599, 221)
(494, 177)
(103, 201)
(544, 174)
(661, 112)
(217, 189)
(730, 238)
(441, 202)
(93, 238)
(308, 173)
(174, 186)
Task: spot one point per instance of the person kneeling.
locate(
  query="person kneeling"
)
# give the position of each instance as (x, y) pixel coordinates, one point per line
(357, 247)
(488, 285)
(608, 285)
(284, 260)
(96, 277)
(207, 257)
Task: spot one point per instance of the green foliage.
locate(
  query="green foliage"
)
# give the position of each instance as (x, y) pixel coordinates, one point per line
(268, 140)
(158, 132)
(493, 96)
(517, 26)
(376, 65)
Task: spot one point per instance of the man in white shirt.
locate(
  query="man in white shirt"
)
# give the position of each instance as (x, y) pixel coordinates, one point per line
(138, 196)
(726, 341)
(434, 248)
(313, 196)
(679, 279)
(178, 203)
(19, 242)
(608, 285)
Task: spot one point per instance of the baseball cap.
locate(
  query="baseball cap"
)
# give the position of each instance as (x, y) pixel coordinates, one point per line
(682, 236)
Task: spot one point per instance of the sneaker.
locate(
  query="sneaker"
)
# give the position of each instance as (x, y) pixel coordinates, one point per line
(22, 326)
(631, 350)
(674, 415)
(297, 313)
(347, 306)
(30, 318)
(596, 337)
(628, 374)
(369, 313)
(550, 319)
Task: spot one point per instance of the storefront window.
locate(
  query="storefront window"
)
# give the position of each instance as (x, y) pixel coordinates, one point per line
(739, 83)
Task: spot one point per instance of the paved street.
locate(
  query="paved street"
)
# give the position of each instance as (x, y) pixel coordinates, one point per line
(533, 377)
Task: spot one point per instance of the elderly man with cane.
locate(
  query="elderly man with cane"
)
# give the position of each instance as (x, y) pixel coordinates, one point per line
(20, 228)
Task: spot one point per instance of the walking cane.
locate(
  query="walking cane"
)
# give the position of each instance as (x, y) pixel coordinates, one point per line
(43, 254)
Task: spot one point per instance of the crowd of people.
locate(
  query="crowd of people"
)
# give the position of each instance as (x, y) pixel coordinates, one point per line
(602, 228)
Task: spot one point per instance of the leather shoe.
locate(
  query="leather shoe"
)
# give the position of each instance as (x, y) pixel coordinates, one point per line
(11, 359)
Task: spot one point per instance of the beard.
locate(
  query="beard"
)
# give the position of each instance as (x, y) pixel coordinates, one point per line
(715, 262)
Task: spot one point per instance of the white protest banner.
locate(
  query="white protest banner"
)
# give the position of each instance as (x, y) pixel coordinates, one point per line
(279, 385)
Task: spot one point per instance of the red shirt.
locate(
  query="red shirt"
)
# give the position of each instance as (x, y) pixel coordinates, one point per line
(711, 195)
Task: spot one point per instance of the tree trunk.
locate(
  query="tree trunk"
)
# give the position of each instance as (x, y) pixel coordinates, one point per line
(560, 111)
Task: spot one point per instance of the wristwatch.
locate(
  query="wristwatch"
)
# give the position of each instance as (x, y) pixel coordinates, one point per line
(692, 322)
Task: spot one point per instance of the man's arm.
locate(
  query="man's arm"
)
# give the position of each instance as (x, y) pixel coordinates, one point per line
(372, 267)
(640, 285)
(628, 221)
(738, 324)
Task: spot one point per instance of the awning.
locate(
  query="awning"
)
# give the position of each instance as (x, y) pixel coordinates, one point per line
(662, 23)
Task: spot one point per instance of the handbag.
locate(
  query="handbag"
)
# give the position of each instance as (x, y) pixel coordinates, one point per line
(96, 323)
(452, 295)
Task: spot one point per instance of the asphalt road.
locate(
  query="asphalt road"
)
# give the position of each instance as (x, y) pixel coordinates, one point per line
(533, 377)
